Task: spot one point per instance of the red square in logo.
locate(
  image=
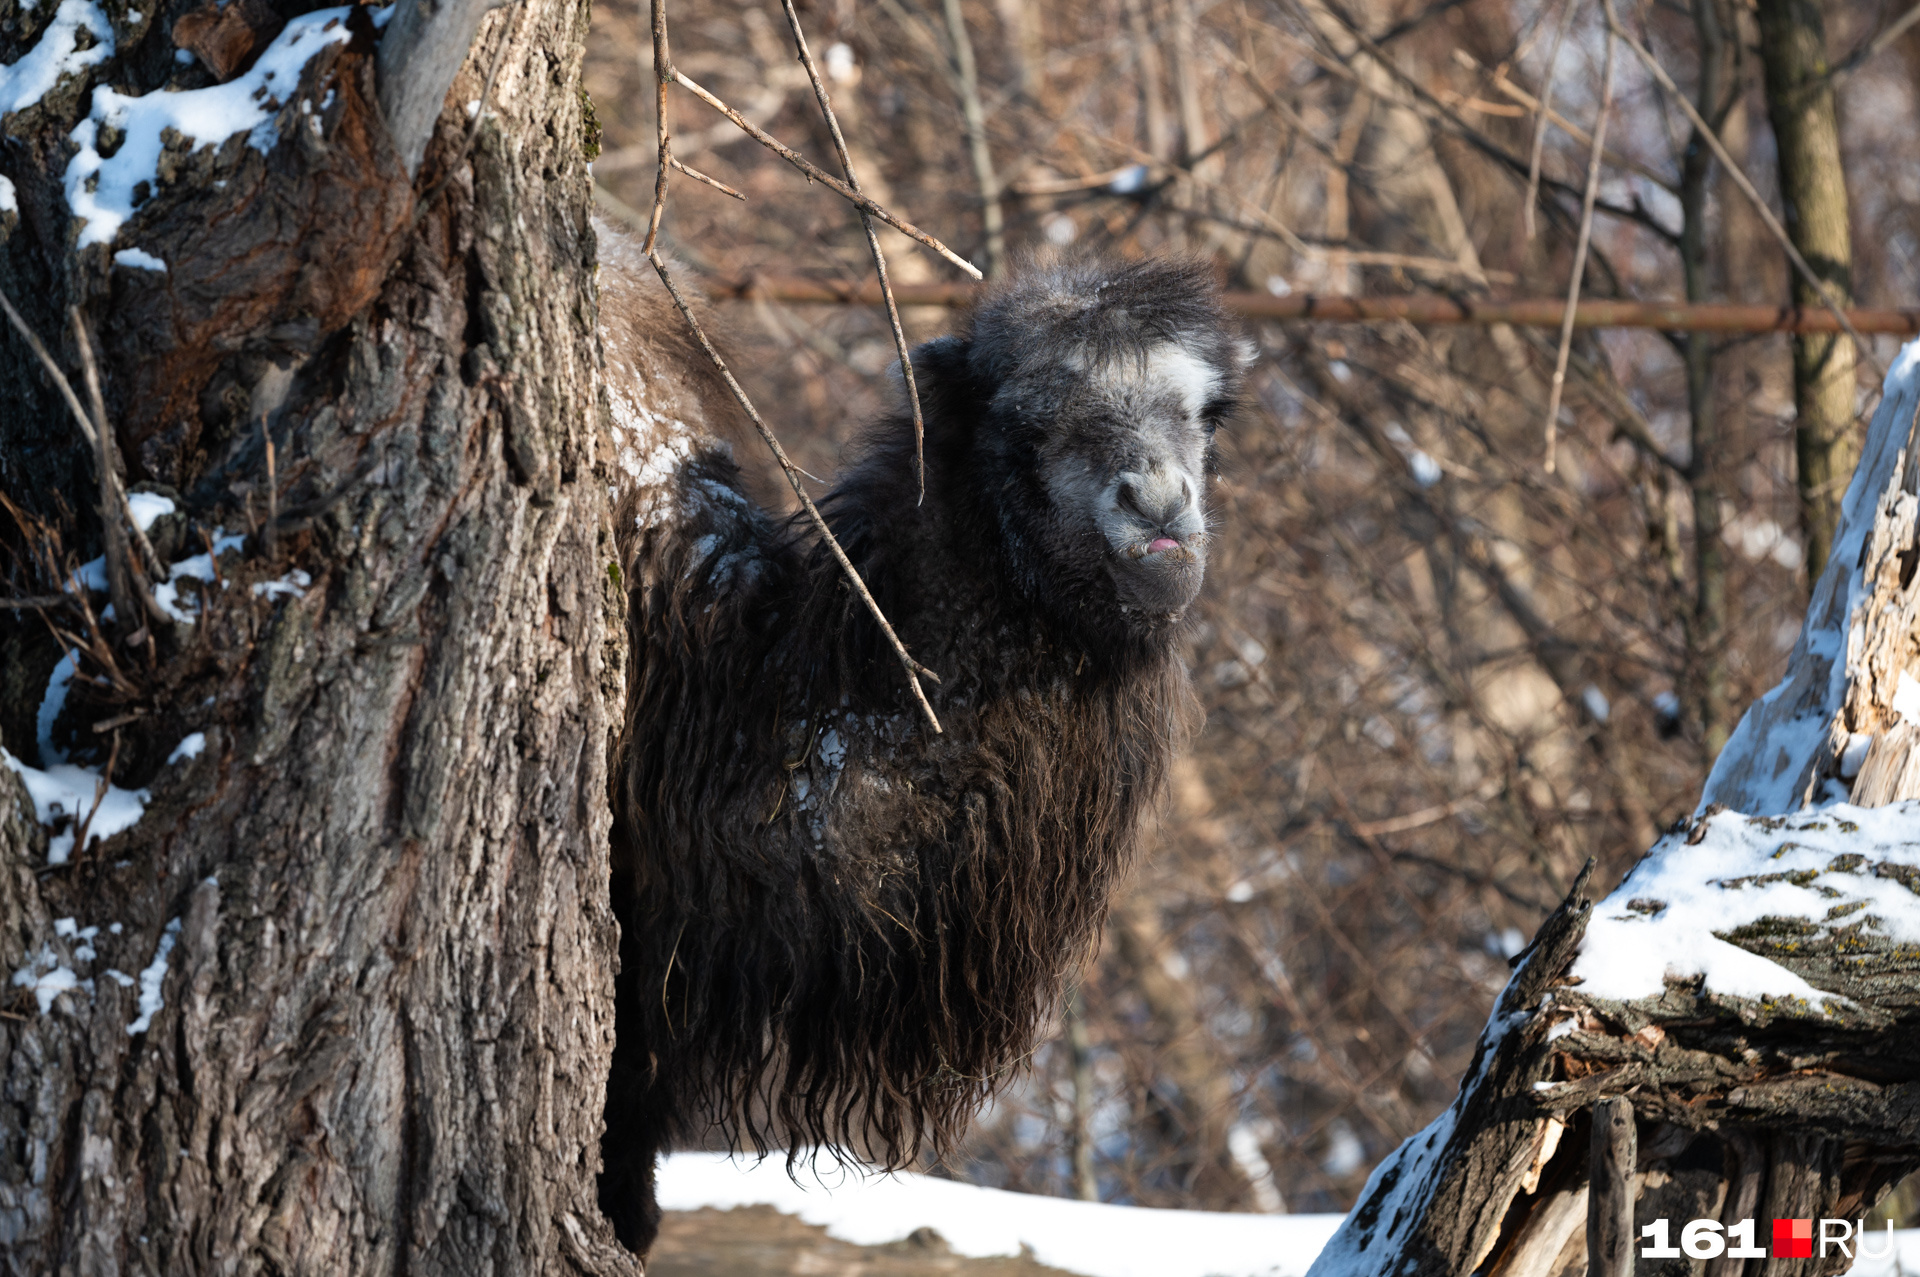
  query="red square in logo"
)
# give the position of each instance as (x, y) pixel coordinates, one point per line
(1793, 1239)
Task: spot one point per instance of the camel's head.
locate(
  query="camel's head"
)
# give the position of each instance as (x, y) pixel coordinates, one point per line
(1103, 385)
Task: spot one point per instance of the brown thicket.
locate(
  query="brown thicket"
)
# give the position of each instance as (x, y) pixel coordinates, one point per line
(1439, 676)
(1438, 679)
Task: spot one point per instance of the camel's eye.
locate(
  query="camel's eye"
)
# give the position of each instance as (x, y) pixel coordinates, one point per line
(1215, 412)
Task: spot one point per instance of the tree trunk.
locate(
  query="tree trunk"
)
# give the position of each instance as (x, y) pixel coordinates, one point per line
(1771, 1065)
(1706, 629)
(1793, 48)
(348, 1006)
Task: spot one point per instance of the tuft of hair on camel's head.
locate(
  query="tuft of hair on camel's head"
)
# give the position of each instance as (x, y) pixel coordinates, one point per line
(840, 930)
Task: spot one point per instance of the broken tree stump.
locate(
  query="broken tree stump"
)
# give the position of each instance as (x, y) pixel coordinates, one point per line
(1743, 1012)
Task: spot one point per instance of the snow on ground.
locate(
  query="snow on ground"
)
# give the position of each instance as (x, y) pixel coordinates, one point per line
(101, 191)
(1840, 866)
(1879, 1259)
(1081, 1237)
(1091, 1238)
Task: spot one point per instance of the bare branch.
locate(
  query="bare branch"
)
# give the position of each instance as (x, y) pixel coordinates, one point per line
(128, 588)
(662, 76)
(1410, 308)
(1874, 45)
(1542, 112)
(992, 219)
(826, 179)
(912, 667)
(1740, 180)
(1585, 238)
(119, 574)
(59, 378)
(698, 176)
(873, 246)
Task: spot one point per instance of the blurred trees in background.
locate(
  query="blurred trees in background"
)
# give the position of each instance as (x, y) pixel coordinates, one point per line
(1438, 675)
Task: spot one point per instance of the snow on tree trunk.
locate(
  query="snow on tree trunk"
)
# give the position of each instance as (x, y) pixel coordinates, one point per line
(338, 996)
(1752, 988)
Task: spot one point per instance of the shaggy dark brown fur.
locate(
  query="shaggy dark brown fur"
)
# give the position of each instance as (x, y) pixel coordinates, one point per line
(838, 928)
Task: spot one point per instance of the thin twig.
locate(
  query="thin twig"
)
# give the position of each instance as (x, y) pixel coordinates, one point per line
(1872, 48)
(145, 560)
(1594, 158)
(1541, 115)
(1504, 83)
(118, 721)
(100, 438)
(873, 246)
(59, 378)
(33, 601)
(912, 667)
(119, 570)
(992, 217)
(662, 76)
(825, 179)
(698, 176)
(1779, 232)
(273, 486)
(100, 790)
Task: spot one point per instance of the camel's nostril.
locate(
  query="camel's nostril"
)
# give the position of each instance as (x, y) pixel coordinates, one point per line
(1159, 504)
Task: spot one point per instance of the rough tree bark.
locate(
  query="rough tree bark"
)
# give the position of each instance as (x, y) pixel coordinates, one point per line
(1793, 48)
(372, 904)
(1776, 1076)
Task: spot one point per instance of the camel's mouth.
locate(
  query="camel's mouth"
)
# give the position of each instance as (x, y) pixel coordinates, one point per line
(1160, 574)
(1171, 547)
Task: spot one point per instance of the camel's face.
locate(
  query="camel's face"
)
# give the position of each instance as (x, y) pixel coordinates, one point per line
(1122, 451)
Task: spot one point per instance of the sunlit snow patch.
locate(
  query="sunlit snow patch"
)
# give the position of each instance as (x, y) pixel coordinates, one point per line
(48, 979)
(101, 189)
(57, 53)
(63, 795)
(1837, 866)
(196, 567)
(153, 978)
(146, 507)
(140, 259)
(294, 583)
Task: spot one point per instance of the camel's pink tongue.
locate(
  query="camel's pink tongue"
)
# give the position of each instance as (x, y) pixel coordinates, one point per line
(1162, 543)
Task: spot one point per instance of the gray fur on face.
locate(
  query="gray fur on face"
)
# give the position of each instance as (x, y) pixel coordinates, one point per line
(1116, 382)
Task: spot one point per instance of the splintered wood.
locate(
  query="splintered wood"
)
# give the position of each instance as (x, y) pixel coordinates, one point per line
(1730, 1036)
